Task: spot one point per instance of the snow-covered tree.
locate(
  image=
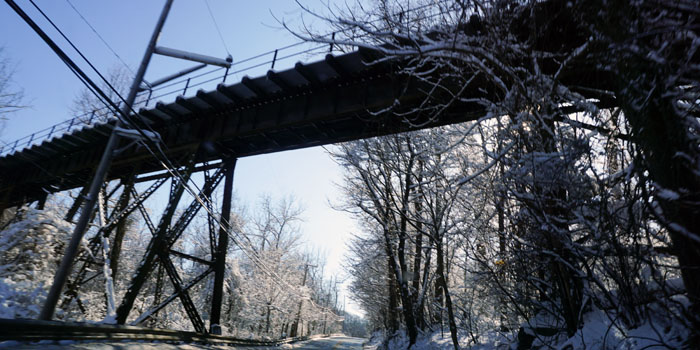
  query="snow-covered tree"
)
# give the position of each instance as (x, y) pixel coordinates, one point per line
(30, 249)
(587, 202)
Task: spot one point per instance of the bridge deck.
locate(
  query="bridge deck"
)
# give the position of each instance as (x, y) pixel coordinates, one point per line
(324, 102)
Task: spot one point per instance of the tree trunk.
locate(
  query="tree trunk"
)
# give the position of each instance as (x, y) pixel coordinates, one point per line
(121, 229)
(663, 141)
(392, 317)
(418, 255)
(448, 301)
(401, 273)
(420, 322)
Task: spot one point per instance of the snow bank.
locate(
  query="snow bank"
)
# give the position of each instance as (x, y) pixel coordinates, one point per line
(601, 331)
(30, 249)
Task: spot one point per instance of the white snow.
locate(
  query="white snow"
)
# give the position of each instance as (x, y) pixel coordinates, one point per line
(601, 331)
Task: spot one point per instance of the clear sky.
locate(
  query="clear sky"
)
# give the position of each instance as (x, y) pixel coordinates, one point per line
(248, 28)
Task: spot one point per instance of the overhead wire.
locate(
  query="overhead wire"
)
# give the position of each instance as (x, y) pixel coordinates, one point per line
(99, 93)
(146, 99)
(169, 166)
(100, 37)
(88, 82)
(125, 116)
(83, 75)
(92, 87)
(216, 25)
(175, 173)
(167, 163)
(62, 55)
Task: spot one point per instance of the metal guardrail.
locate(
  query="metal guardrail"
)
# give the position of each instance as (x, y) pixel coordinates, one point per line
(103, 115)
(34, 330)
(265, 59)
(54, 130)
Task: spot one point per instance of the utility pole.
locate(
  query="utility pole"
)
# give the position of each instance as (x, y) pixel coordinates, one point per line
(86, 213)
(295, 326)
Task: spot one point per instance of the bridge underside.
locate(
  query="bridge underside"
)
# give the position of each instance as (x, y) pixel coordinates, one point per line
(337, 99)
(330, 101)
(325, 102)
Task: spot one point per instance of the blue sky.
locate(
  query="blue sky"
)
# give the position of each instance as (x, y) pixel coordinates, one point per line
(248, 28)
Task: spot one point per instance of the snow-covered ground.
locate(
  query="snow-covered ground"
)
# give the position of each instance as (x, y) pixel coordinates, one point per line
(130, 345)
(125, 345)
(335, 342)
(599, 332)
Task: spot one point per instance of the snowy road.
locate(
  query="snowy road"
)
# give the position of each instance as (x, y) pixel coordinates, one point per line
(332, 343)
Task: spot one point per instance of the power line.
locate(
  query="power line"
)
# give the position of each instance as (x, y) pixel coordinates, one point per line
(84, 76)
(100, 36)
(218, 30)
(87, 81)
(62, 55)
(169, 166)
(125, 116)
(244, 69)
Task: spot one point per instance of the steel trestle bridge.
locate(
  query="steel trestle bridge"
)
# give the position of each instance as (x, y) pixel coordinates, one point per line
(339, 98)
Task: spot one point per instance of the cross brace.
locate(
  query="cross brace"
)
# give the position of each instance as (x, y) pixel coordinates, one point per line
(164, 236)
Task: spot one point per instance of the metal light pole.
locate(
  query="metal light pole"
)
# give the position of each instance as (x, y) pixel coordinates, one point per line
(72, 249)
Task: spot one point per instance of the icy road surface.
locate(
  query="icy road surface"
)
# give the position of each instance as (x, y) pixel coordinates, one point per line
(332, 343)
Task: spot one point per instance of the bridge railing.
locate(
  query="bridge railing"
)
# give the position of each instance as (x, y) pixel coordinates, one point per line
(183, 87)
(55, 130)
(208, 79)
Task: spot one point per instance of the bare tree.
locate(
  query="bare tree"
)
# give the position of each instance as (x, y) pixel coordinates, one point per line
(89, 108)
(10, 95)
(548, 72)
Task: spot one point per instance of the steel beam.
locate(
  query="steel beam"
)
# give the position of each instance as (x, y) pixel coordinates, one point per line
(116, 217)
(221, 249)
(77, 203)
(121, 225)
(211, 222)
(157, 244)
(184, 295)
(190, 56)
(184, 220)
(160, 305)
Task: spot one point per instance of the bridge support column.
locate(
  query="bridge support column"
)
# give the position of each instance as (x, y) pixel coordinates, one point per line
(221, 249)
(156, 248)
(42, 201)
(77, 203)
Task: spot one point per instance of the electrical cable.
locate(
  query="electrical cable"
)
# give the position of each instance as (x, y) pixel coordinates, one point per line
(88, 82)
(235, 72)
(173, 169)
(125, 116)
(98, 92)
(168, 167)
(81, 55)
(62, 55)
(100, 37)
(216, 25)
